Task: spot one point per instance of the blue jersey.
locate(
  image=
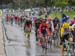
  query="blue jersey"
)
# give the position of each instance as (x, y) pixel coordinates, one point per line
(64, 20)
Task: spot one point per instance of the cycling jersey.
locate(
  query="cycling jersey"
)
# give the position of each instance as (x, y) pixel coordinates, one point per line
(51, 26)
(43, 28)
(37, 23)
(64, 32)
(56, 21)
(27, 26)
(8, 18)
(28, 23)
(63, 20)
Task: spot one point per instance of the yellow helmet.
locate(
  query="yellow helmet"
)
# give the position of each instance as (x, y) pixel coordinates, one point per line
(65, 25)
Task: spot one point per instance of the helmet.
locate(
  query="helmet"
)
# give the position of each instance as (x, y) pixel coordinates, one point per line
(73, 26)
(65, 25)
(67, 17)
(49, 18)
(43, 21)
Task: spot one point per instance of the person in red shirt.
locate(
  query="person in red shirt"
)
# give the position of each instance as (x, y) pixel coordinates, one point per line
(44, 32)
(43, 28)
(16, 19)
(8, 18)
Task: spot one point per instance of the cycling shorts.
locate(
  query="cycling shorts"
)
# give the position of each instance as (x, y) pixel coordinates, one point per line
(44, 33)
(65, 37)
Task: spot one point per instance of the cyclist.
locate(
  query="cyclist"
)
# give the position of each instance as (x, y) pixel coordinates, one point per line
(50, 25)
(12, 18)
(51, 30)
(37, 23)
(15, 17)
(72, 22)
(65, 30)
(22, 20)
(7, 18)
(28, 27)
(44, 32)
(65, 19)
(73, 32)
(56, 21)
(56, 24)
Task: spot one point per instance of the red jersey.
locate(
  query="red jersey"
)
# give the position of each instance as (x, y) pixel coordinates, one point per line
(43, 28)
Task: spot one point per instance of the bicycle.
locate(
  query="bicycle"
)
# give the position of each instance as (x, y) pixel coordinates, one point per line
(44, 41)
(27, 36)
(66, 48)
(50, 41)
(69, 45)
(69, 48)
(74, 48)
(56, 36)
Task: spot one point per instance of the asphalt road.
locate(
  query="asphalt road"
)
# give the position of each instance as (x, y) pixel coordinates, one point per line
(16, 43)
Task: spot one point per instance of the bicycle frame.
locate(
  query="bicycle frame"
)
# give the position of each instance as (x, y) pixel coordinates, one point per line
(44, 43)
(69, 48)
(27, 34)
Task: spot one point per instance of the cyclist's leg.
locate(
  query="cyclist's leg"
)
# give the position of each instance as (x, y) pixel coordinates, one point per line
(54, 39)
(26, 35)
(57, 39)
(63, 48)
(36, 34)
(46, 42)
(43, 41)
(28, 39)
(51, 42)
(29, 35)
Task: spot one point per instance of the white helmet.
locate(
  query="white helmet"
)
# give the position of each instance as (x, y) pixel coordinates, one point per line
(73, 26)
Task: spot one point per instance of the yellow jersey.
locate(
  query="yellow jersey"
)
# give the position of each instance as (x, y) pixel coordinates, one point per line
(62, 30)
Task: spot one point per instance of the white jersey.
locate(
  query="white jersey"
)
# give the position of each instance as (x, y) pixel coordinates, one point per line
(52, 26)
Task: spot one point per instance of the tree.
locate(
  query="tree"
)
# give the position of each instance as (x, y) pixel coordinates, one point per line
(61, 3)
(71, 2)
(6, 1)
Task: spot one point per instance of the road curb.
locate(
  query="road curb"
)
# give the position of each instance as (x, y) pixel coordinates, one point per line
(4, 35)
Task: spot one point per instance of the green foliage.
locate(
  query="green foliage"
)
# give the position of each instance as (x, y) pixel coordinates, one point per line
(6, 1)
(40, 3)
(71, 14)
(61, 3)
(71, 2)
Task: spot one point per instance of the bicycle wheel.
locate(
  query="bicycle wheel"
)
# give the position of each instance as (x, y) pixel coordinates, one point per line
(27, 34)
(44, 45)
